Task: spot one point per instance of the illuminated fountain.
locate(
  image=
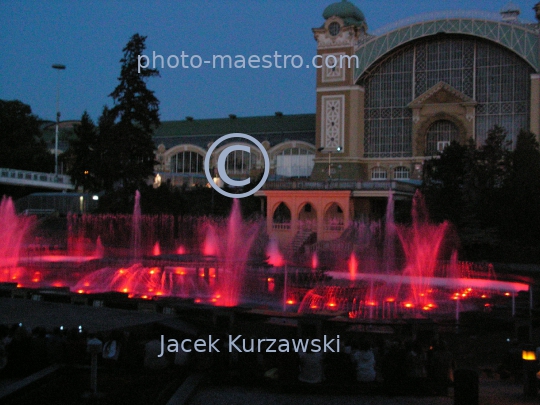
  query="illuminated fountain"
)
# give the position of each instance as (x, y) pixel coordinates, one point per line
(231, 244)
(12, 232)
(385, 271)
(424, 283)
(216, 277)
(275, 258)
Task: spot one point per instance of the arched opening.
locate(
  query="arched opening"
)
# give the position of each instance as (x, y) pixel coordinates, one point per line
(402, 173)
(497, 79)
(187, 162)
(282, 217)
(334, 219)
(439, 135)
(239, 164)
(307, 217)
(295, 162)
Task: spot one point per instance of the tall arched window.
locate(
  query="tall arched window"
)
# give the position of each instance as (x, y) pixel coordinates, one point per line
(240, 162)
(187, 162)
(295, 162)
(334, 218)
(402, 173)
(495, 77)
(282, 217)
(439, 135)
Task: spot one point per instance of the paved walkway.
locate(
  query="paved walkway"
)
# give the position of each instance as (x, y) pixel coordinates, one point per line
(492, 392)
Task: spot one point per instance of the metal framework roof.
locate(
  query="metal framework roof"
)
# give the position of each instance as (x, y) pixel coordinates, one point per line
(519, 38)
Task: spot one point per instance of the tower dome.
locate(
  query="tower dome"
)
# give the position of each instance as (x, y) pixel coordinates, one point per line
(347, 11)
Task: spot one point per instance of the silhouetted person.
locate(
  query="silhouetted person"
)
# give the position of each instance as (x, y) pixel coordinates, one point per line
(441, 369)
(311, 367)
(415, 366)
(364, 359)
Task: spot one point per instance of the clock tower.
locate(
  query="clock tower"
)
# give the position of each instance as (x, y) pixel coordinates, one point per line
(340, 102)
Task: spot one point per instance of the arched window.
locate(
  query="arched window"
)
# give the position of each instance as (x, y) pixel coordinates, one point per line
(187, 162)
(334, 218)
(240, 162)
(282, 217)
(494, 76)
(307, 217)
(401, 173)
(378, 173)
(439, 135)
(295, 162)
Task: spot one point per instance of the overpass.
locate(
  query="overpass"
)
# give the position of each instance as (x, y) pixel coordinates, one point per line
(35, 179)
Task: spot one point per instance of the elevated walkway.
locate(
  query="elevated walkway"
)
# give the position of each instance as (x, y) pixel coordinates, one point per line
(35, 179)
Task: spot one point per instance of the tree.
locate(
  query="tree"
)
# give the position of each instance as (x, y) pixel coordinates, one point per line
(21, 142)
(444, 183)
(136, 115)
(108, 146)
(490, 172)
(120, 151)
(83, 155)
(464, 184)
(522, 193)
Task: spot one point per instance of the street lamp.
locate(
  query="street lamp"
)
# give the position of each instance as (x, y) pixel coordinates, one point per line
(59, 68)
(530, 367)
(329, 151)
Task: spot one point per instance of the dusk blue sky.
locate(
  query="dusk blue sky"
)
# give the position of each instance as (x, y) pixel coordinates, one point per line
(88, 37)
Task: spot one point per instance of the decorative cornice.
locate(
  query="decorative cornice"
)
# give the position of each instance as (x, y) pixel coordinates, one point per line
(340, 88)
(442, 86)
(347, 37)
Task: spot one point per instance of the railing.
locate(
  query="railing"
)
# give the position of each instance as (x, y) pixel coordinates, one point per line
(334, 226)
(281, 227)
(340, 185)
(24, 177)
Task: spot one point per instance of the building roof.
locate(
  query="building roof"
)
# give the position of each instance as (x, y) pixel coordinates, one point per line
(274, 129)
(250, 125)
(344, 9)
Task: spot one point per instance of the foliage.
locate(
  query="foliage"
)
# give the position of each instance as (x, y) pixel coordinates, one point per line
(119, 153)
(82, 155)
(136, 114)
(21, 144)
(491, 194)
(521, 199)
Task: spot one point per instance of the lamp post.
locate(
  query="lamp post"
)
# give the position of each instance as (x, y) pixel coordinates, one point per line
(329, 151)
(530, 367)
(59, 68)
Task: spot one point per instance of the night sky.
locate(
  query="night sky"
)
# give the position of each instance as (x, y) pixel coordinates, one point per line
(88, 38)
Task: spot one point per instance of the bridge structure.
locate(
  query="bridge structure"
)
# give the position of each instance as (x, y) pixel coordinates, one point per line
(35, 179)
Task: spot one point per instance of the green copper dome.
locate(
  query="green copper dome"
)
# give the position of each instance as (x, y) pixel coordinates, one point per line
(345, 10)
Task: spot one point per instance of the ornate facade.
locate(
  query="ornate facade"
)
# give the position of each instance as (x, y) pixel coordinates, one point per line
(411, 88)
(386, 101)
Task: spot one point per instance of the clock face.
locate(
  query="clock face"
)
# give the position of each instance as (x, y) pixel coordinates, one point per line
(334, 28)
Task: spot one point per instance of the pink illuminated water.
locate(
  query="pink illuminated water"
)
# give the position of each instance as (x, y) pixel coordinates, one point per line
(314, 261)
(410, 276)
(232, 247)
(353, 266)
(156, 250)
(386, 271)
(210, 242)
(275, 258)
(421, 243)
(12, 233)
(99, 252)
(220, 280)
(136, 240)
